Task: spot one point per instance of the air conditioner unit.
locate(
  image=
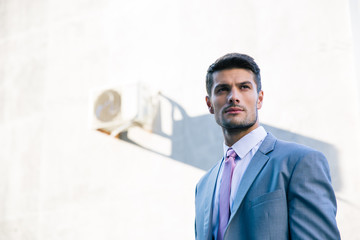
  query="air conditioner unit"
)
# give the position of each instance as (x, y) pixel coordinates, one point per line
(115, 109)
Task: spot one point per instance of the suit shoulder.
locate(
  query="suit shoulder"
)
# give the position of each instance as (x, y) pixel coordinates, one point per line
(294, 153)
(295, 149)
(299, 156)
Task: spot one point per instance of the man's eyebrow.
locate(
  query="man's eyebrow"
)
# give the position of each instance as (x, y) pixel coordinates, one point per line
(222, 85)
(245, 82)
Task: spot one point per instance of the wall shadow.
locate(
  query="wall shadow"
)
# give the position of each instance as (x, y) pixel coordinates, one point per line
(198, 141)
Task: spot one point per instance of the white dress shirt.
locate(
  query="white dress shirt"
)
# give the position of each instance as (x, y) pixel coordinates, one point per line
(245, 149)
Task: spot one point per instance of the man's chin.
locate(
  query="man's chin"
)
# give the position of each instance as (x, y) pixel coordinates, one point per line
(238, 125)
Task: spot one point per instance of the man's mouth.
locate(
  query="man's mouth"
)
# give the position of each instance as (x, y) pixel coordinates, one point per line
(234, 110)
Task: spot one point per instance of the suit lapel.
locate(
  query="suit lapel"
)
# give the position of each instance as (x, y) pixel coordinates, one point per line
(208, 211)
(255, 166)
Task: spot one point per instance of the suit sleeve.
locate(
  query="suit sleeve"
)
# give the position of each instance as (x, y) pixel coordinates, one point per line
(311, 199)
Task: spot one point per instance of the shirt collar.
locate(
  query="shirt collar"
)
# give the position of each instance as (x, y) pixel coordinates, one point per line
(248, 142)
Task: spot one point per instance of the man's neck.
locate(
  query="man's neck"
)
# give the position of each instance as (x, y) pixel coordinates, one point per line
(231, 136)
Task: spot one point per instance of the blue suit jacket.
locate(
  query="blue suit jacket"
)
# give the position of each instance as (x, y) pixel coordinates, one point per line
(285, 193)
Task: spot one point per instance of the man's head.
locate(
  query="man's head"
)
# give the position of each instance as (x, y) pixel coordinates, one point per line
(229, 61)
(234, 93)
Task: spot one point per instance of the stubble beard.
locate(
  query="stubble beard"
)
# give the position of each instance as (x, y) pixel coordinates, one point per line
(239, 125)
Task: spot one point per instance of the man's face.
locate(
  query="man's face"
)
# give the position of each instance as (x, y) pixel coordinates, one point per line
(234, 100)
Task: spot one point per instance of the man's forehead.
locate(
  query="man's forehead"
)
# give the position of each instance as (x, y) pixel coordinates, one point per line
(238, 74)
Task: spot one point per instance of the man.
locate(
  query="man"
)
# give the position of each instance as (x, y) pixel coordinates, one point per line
(263, 188)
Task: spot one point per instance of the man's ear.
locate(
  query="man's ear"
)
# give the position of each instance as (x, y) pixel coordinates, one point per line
(208, 103)
(260, 100)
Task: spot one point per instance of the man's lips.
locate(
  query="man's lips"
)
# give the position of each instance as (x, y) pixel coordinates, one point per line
(233, 110)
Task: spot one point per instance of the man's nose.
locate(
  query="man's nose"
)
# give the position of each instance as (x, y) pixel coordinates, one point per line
(234, 96)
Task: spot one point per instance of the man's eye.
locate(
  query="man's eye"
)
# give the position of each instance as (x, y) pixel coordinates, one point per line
(245, 87)
(221, 90)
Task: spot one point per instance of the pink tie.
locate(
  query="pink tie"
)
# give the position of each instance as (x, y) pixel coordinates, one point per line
(225, 187)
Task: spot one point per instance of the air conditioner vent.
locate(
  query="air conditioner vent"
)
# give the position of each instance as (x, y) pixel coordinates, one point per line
(107, 106)
(116, 108)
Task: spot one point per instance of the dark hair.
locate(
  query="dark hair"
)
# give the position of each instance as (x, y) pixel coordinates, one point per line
(230, 61)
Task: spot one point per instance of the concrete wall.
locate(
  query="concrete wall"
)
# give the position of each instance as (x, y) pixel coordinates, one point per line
(61, 180)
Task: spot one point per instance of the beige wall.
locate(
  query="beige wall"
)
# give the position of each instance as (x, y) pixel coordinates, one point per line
(61, 180)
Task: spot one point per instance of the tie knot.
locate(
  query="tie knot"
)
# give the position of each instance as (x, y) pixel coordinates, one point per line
(231, 153)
